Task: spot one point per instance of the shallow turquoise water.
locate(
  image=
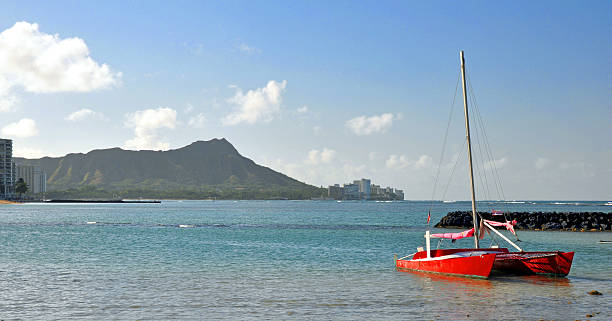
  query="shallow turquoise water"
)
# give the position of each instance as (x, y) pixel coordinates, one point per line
(271, 259)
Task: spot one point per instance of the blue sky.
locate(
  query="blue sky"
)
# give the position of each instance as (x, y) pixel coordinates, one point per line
(325, 92)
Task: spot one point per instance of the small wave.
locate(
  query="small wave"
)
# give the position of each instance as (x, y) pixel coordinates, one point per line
(92, 222)
(186, 225)
(567, 203)
(449, 201)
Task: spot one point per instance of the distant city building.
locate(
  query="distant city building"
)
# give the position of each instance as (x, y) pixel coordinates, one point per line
(34, 177)
(7, 179)
(399, 194)
(335, 191)
(351, 192)
(363, 190)
(376, 190)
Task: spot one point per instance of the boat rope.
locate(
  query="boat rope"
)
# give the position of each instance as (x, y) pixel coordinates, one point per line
(481, 164)
(448, 123)
(480, 122)
(483, 140)
(459, 159)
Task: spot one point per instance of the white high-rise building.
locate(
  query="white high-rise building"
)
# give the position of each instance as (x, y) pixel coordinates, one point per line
(364, 188)
(34, 177)
(7, 179)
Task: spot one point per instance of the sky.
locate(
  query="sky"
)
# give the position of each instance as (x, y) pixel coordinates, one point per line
(324, 91)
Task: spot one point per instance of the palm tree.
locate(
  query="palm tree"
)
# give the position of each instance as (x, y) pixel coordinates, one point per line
(21, 187)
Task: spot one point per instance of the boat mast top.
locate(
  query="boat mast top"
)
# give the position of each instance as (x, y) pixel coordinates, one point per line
(469, 147)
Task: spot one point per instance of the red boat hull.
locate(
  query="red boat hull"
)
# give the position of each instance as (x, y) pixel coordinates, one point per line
(482, 262)
(530, 263)
(462, 262)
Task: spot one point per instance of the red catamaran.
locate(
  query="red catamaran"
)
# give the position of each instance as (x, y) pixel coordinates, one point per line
(481, 262)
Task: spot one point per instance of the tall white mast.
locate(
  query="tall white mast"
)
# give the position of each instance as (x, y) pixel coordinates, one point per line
(469, 146)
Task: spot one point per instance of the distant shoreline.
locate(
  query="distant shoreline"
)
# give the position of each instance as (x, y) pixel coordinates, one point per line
(113, 201)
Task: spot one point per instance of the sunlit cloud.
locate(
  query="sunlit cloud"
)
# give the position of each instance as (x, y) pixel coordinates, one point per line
(363, 125)
(39, 62)
(197, 121)
(324, 156)
(146, 124)
(24, 128)
(402, 162)
(258, 105)
(84, 114)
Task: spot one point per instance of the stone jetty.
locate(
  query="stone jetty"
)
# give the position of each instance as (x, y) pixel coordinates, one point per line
(561, 221)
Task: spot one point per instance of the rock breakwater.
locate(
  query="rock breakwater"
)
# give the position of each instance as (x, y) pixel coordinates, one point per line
(563, 221)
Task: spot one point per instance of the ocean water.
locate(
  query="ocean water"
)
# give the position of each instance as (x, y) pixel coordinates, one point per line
(273, 260)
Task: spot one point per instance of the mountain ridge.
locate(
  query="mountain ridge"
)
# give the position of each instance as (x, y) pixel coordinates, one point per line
(199, 166)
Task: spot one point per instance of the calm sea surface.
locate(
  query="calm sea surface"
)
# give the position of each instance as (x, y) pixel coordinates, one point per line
(272, 260)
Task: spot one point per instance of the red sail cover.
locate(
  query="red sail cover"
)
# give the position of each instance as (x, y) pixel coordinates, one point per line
(455, 236)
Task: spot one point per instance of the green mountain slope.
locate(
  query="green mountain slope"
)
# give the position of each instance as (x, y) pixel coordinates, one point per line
(203, 165)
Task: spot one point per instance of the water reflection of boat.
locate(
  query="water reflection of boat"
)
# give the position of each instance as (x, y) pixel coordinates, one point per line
(480, 262)
(452, 279)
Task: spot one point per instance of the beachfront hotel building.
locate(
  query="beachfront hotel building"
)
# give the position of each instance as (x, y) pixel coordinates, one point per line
(34, 177)
(7, 178)
(363, 189)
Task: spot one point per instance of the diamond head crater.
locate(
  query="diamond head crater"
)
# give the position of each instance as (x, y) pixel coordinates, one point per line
(211, 169)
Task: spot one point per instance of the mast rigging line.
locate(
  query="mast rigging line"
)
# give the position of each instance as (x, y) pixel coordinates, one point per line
(458, 160)
(496, 176)
(485, 162)
(482, 135)
(485, 142)
(450, 116)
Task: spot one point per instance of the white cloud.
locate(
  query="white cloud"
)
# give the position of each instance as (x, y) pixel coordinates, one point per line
(401, 162)
(397, 162)
(197, 121)
(352, 171)
(541, 163)
(317, 130)
(7, 100)
(372, 155)
(316, 157)
(580, 168)
(248, 49)
(189, 108)
(146, 123)
(25, 152)
(45, 63)
(84, 114)
(302, 110)
(363, 125)
(259, 105)
(499, 163)
(424, 161)
(338, 171)
(24, 128)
